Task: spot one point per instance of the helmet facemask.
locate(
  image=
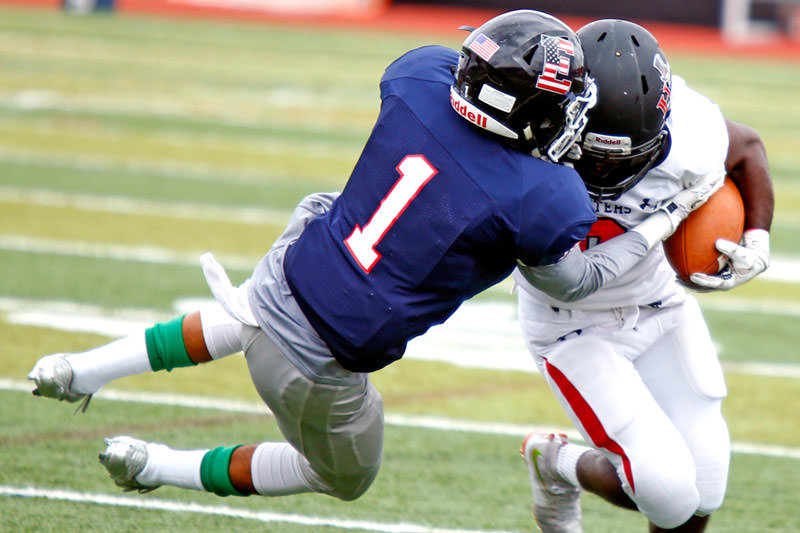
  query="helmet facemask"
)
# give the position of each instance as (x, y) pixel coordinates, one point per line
(575, 113)
(609, 165)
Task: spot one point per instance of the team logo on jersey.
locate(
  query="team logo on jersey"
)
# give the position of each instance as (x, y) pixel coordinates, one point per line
(555, 72)
(661, 65)
(646, 204)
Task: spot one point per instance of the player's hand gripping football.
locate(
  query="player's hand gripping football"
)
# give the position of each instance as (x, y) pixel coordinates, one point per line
(745, 261)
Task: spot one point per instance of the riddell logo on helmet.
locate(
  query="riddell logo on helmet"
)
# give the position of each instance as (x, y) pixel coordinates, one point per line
(611, 141)
(476, 116)
(463, 110)
(614, 144)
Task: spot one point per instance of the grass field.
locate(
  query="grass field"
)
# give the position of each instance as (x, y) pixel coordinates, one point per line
(129, 146)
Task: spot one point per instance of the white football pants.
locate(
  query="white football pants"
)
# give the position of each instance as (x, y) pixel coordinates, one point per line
(645, 387)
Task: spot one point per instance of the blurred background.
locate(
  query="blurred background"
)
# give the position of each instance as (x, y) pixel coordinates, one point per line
(137, 134)
(737, 19)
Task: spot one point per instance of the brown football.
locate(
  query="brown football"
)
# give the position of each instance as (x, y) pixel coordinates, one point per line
(691, 248)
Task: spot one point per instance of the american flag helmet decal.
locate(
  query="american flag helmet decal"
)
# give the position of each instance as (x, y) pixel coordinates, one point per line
(484, 47)
(558, 52)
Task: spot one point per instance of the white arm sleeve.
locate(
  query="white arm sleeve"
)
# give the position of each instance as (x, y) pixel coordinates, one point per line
(579, 274)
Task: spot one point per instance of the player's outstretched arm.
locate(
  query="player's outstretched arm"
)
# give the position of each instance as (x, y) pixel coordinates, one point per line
(578, 274)
(746, 164)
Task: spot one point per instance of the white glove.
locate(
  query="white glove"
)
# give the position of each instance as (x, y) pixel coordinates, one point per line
(745, 262)
(666, 219)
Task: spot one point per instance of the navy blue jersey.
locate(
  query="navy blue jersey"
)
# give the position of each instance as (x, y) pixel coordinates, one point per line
(434, 212)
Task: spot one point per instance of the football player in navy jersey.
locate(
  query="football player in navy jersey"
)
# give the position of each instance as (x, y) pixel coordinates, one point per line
(634, 365)
(458, 182)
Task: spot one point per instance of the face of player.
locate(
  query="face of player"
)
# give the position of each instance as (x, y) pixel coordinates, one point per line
(607, 174)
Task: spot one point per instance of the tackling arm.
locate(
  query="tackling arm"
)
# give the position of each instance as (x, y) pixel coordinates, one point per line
(578, 274)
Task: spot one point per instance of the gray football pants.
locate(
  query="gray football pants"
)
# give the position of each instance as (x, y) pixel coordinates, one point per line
(336, 427)
(332, 417)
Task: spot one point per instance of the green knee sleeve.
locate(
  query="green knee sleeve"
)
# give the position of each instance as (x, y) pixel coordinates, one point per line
(165, 346)
(214, 471)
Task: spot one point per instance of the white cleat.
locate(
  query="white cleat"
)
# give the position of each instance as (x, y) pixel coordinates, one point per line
(53, 377)
(556, 502)
(125, 458)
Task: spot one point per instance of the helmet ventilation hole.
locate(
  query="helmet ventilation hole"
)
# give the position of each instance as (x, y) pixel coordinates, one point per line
(602, 36)
(635, 42)
(528, 57)
(644, 85)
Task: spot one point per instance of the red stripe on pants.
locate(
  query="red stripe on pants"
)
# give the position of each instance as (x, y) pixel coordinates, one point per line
(589, 419)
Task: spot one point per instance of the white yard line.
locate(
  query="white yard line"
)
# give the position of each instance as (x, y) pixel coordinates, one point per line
(393, 419)
(477, 328)
(164, 169)
(256, 104)
(225, 510)
(131, 206)
(140, 253)
(119, 252)
(782, 268)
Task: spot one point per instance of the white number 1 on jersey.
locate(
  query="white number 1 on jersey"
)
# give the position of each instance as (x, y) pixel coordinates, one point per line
(415, 172)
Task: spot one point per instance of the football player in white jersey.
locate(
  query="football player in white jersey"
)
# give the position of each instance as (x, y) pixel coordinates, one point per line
(633, 365)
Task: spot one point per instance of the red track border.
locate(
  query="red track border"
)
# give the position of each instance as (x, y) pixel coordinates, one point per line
(444, 21)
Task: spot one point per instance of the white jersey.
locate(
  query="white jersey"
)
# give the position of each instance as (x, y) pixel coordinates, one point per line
(699, 140)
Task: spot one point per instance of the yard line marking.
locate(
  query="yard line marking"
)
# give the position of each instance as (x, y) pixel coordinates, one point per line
(166, 169)
(153, 208)
(226, 510)
(145, 254)
(120, 252)
(244, 116)
(393, 419)
(782, 268)
(312, 136)
(463, 340)
(733, 304)
(773, 370)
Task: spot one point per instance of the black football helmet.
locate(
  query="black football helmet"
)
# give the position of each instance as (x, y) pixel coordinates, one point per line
(521, 76)
(626, 135)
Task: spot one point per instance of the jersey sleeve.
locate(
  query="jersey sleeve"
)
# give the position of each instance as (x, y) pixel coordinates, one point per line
(423, 64)
(579, 274)
(554, 216)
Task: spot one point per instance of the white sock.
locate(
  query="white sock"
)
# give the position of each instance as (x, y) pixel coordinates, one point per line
(567, 462)
(94, 368)
(221, 332)
(276, 470)
(178, 468)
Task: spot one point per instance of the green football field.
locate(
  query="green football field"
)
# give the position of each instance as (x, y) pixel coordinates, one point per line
(131, 145)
